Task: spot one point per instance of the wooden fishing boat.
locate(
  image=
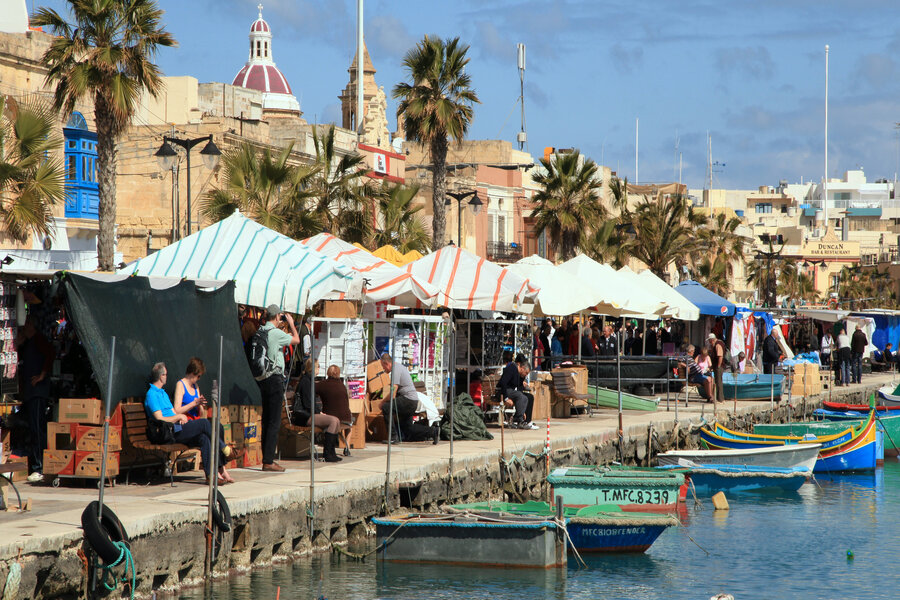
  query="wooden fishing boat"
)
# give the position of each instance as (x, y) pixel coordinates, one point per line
(711, 479)
(889, 395)
(632, 488)
(852, 449)
(751, 386)
(467, 538)
(835, 422)
(787, 456)
(860, 408)
(601, 396)
(603, 528)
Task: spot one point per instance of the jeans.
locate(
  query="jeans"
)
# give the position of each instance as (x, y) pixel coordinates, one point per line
(845, 371)
(524, 403)
(35, 409)
(856, 367)
(406, 408)
(272, 391)
(720, 388)
(198, 434)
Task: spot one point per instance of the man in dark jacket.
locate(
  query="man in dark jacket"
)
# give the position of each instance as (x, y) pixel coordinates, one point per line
(587, 346)
(512, 385)
(651, 343)
(770, 354)
(858, 344)
(608, 342)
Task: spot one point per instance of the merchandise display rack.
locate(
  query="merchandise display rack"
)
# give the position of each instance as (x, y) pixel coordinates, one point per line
(496, 336)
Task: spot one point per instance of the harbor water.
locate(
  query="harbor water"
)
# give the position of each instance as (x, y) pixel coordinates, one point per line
(832, 539)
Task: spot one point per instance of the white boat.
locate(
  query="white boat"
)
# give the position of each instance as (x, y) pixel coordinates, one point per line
(788, 457)
(886, 394)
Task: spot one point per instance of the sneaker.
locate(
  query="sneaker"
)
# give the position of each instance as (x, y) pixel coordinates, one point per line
(35, 477)
(531, 425)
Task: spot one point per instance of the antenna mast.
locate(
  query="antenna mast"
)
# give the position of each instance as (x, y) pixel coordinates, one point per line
(522, 137)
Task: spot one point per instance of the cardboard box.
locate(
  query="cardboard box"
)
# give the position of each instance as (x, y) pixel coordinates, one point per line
(89, 438)
(357, 405)
(376, 378)
(87, 464)
(376, 428)
(293, 444)
(225, 415)
(81, 410)
(253, 455)
(542, 398)
(59, 462)
(226, 434)
(252, 433)
(581, 378)
(356, 437)
(60, 436)
(339, 309)
(237, 433)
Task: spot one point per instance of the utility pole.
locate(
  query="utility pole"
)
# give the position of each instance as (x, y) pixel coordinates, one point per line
(637, 123)
(522, 138)
(359, 70)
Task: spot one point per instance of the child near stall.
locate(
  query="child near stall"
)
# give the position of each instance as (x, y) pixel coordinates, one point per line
(475, 388)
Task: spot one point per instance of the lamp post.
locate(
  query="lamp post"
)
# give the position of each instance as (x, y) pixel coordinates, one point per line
(475, 204)
(166, 156)
(770, 239)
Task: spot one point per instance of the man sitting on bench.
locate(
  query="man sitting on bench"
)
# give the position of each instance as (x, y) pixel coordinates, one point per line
(193, 434)
(511, 385)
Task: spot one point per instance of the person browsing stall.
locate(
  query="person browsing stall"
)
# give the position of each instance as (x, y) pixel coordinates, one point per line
(272, 387)
(193, 434)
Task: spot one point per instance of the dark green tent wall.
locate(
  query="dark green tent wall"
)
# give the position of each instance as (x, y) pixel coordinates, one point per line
(152, 325)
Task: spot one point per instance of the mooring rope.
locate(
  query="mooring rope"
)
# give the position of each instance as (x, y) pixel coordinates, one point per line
(565, 529)
(124, 554)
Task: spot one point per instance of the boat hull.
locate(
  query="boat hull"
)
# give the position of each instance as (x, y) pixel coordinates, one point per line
(887, 396)
(521, 545)
(631, 489)
(835, 421)
(751, 386)
(787, 457)
(711, 480)
(587, 537)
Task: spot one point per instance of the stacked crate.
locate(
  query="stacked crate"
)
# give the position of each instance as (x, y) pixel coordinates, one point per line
(243, 429)
(805, 380)
(75, 440)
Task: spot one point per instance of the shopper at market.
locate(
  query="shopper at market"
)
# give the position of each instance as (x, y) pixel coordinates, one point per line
(843, 356)
(272, 387)
(188, 399)
(717, 353)
(651, 342)
(609, 343)
(827, 347)
(770, 353)
(36, 355)
(193, 434)
(857, 349)
(515, 392)
(330, 422)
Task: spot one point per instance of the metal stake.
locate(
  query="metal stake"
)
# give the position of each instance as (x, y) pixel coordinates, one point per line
(312, 432)
(392, 411)
(214, 461)
(107, 409)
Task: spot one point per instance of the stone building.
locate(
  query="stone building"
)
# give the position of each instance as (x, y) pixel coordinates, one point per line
(375, 124)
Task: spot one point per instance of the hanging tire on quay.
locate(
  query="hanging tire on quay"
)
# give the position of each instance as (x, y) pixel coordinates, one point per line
(221, 514)
(103, 536)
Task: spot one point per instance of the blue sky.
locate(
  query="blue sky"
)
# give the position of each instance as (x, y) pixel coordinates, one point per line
(751, 73)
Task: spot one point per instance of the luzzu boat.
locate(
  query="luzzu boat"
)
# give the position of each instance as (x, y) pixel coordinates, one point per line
(835, 422)
(860, 408)
(603, 528)
(751, 386)
(854, 449)
(632, 488)
(710, 479)
(889, 395)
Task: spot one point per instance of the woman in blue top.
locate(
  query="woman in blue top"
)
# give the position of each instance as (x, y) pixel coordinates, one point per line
(194, 434)
(188, 399)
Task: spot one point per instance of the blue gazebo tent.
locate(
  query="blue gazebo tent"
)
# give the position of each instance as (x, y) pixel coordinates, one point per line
(708, 302)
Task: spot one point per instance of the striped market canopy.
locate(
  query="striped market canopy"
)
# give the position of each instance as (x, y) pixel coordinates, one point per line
(267, 267)
(470, 282)
(385, 282)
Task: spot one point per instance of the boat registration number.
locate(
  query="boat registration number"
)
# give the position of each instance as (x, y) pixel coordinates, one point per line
(636, 496)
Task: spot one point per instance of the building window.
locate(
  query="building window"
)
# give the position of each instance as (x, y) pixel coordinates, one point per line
(764, 207)
(258, 51)
(266, 49)
(82, 191)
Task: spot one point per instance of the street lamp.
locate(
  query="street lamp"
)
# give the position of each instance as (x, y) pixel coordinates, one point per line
(166, 156)
(771, 292)
(475, 204)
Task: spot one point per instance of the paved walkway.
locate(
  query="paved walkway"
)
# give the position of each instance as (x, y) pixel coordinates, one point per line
(54, 520)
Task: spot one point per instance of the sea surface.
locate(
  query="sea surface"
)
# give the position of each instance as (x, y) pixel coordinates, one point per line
(836, 538)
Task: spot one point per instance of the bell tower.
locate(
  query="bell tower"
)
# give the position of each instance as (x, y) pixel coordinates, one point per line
(375, 126)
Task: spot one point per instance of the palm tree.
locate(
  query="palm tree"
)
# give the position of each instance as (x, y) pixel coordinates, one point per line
(31, 174)
(665, 232)
(402, 226)
(265, 187)
(721, 243)
(435, 105)
(712, 273)
(106, 53)
(568, 203)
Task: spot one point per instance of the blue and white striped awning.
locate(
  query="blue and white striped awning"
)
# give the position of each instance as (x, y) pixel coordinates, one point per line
(267, 267)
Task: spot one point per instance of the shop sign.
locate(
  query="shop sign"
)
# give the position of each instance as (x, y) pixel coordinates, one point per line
(832, 249)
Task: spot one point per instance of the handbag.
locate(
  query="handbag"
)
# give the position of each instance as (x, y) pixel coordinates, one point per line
(160, 432)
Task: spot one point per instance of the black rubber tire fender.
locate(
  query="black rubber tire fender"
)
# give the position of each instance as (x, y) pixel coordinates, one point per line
(102, 536)
(221, 514)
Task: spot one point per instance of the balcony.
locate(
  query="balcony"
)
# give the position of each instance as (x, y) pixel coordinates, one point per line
(501, 252)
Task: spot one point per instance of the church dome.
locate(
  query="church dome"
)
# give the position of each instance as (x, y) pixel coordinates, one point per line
(260, 72)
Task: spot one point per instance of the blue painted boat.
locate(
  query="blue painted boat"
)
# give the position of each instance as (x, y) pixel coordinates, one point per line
(853, 449)
(751, 386)
(598, 528)
(711, 479)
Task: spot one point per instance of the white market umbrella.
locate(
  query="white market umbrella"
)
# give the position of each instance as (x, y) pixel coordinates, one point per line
(678, 306)
(622, 297)
(561, 292)
(385, 282)
(266, 266)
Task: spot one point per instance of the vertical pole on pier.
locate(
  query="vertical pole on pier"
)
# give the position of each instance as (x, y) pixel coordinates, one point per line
(450, 328)
(107, 410)
(392, 413)
(619, 394)
(772, 394)
(214, 462)
(312, 432)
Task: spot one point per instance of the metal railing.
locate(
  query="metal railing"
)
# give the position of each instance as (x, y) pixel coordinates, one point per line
(503, 252)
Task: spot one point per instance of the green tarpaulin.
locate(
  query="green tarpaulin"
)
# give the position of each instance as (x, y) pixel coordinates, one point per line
(151, 325)
(468, 423)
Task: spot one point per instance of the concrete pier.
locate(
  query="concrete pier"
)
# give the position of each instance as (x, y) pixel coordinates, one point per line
(273, 518)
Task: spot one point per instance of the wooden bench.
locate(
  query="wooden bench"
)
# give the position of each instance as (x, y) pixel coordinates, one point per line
(564, 386)
(142, 451)
(293, 440)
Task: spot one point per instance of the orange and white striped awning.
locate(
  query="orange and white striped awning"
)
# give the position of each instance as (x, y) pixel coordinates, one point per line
(385, 282)
(470, 282)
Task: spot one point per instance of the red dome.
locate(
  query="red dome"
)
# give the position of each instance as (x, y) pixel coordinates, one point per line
(260, 25)
(265, 78)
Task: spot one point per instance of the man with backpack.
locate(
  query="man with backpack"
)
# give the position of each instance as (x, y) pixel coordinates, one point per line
(267, 366)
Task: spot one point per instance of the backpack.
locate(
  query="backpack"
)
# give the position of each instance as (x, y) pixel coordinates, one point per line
(258, 355)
